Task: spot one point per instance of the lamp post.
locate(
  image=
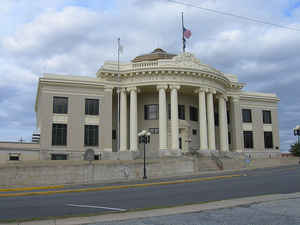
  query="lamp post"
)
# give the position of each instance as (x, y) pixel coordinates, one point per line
(144, 137)
(297, 132)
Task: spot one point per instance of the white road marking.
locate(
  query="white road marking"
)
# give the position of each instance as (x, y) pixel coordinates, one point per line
(96, 207)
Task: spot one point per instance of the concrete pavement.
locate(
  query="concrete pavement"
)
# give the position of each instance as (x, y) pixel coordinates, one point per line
(268, 209)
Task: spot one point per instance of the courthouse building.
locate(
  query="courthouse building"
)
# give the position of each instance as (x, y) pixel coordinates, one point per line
(185, 104)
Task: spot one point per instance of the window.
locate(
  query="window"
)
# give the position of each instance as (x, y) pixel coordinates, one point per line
(268, 139)
(248, 139)
(60, 105)
(91, 135)
(14, 158)
(181, 112)
(247, 118)
(151, 112)
(267, 117)
(216, 119)
(114, 134)
(91, 106)
(193, 113)
(154, 130)
(59, 134)
(228, 117)
(58, 157)
(194, 131)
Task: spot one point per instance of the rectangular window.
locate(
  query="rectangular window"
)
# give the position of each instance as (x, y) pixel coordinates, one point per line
(154, 130)
(267, 117)
(248, 139)
(151, 112)
(91, 135)
(193, 113)
(247, 118)
(228, 117)
(91, 106)
(268, 135)
(59, 134)
(114, 134)
(216, 119)
(14, 158)
(60, 105)
(58, 157)
(181, 112)
(194, 131)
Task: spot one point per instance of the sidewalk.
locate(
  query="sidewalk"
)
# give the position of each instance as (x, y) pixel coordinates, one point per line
(260, 210)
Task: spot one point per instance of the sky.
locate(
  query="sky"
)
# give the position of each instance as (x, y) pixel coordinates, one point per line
(77, 36)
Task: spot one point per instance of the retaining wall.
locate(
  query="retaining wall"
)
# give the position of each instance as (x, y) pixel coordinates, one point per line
(40, 173)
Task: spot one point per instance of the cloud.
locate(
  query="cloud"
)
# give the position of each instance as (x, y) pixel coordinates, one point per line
(76, 37)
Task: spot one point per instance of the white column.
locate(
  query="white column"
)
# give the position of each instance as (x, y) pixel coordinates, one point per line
(133, 119)
(174, 117)
(223, 126)
(202, 119)
(211, 119)
(163, 145)
(123, 120)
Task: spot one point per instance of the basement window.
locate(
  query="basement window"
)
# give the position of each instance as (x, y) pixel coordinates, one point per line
(14, 158)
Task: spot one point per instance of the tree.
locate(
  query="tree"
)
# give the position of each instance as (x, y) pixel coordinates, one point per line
(295, 149)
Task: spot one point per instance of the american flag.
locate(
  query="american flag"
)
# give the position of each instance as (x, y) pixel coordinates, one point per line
(187, 33)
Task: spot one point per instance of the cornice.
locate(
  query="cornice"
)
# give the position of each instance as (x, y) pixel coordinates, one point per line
(184, 64)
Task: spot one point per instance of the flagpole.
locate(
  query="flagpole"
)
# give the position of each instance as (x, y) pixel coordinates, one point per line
(118, 93)
(183, 40)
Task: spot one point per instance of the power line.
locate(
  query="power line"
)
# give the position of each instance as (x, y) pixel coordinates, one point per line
(233, 15)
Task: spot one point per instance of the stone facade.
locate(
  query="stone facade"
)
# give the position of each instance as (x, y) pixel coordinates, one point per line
(189, 105)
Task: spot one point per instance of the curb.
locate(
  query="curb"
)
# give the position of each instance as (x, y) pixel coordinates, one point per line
(31, 188)
(121, 186)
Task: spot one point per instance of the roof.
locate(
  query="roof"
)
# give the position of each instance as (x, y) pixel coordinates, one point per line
(156, 54)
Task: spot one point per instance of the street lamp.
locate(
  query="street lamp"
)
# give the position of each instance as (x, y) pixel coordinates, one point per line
(144, 137)
(297, 132)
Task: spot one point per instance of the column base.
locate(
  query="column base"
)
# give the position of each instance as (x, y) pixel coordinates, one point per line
(175, 152)
(164, 152)
(204, 152)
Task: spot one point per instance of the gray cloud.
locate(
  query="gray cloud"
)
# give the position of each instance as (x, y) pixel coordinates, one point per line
(64, 37)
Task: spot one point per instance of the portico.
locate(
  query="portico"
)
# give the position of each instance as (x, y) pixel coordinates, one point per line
(168, 144)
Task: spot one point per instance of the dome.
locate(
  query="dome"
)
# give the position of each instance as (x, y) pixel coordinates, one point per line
(156, 54)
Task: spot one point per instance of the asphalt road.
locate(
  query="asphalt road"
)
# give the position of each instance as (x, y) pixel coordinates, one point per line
(260, 182)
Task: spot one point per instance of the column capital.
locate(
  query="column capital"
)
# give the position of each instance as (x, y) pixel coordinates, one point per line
(223, 96)
(235, 98)
(133, 89)
(211, 90)
(174, 86)
(200, 89)
(123, 90)
(161, 86)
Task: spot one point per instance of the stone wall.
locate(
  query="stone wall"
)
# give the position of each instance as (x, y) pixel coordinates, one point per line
(41, 173)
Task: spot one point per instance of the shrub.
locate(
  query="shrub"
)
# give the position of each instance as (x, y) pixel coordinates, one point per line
(295, 149)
